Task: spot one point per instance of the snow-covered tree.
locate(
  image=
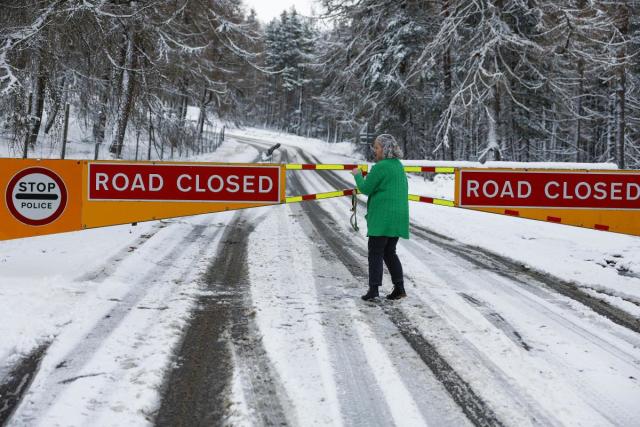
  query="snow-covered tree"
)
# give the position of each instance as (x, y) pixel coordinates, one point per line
(119, 59)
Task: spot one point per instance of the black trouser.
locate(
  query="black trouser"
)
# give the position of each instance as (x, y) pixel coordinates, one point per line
(383, 248)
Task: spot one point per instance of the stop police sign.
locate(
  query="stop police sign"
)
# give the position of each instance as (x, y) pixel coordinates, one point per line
(36, 196)
(539, 189)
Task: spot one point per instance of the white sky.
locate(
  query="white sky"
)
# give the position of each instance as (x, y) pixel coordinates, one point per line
(269, 9)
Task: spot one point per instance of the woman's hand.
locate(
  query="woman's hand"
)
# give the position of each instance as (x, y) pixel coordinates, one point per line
(355, 171)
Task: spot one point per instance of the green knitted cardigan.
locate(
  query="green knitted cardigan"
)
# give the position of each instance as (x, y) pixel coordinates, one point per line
(388, 203)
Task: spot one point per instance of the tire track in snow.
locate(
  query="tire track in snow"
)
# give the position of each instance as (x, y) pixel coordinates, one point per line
(525, 281)
(204, 372)
(497, 320)
(107, 268)
(17, 382)
(476, 410)
(10, 392)
(359, 393)
(518, 273)
(223, 330)
(538, 302)
(80, 355)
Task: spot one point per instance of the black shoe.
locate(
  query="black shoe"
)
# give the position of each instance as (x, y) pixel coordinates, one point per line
(397, 293)
(373, 293)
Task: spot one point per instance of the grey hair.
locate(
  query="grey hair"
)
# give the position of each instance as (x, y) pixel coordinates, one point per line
(390, 147)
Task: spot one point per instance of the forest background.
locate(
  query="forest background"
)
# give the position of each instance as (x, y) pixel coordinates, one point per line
(518, 80)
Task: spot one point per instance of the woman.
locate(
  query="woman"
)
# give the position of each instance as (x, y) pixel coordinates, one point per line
(387, 214)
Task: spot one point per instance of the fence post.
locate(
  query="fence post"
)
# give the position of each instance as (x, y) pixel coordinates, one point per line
(65, 131)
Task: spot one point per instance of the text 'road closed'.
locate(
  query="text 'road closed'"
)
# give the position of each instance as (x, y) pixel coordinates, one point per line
(178, 182)
(593, 190)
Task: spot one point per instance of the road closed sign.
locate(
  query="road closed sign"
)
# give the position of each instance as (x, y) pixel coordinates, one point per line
(124, 192)
(54, 196)
(183, 182)
(540, 189)
(606, 200)
(36, 196)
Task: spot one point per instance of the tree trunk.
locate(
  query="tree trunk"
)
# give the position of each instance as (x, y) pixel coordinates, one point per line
(448, 154)
(578, 140)
(553, 144)
(492, 151)
(100, 123)
(57, 101)
(37, 102)
(611, 125)
(497, 122)
(620, 131)
(150, 139)
(544, 141)
(126, 97)
(25, 147)
(206, 98)
(65, 131)
(623, 16)
(299, 130)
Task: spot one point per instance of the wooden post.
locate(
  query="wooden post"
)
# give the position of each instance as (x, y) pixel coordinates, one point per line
(65, 131)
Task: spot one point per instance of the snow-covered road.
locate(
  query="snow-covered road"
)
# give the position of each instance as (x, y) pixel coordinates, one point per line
(527, 353)
(254, 318)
